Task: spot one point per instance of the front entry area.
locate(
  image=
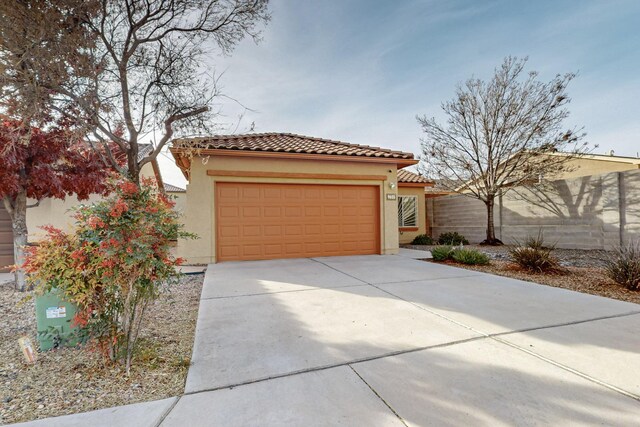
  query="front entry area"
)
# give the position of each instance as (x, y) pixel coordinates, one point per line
(257, 221)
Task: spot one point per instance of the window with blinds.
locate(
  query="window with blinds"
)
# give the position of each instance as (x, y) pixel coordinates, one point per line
(407, 211)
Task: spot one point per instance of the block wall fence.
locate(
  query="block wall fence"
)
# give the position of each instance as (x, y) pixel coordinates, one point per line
(590, 212)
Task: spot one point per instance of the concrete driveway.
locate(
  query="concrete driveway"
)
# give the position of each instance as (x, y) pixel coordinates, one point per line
(390, 340)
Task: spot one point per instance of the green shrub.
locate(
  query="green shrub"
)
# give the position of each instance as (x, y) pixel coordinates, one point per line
(623, 266)
(452, 239)
(469, 256)
(422, 239)
(441, 253)
(113, 265)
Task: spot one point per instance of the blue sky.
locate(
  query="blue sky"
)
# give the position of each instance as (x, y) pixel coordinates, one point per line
(360, 70)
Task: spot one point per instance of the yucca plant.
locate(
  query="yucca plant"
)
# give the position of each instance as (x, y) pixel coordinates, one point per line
(534, 255)
(623, 265)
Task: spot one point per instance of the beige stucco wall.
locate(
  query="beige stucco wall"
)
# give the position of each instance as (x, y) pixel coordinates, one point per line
(199, 212)
(180, 198)
(407, 236)
(589, 212)
(58, 213)
(585, 166)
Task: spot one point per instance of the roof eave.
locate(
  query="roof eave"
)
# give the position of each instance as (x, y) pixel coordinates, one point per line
(183, 162)
(415, 184)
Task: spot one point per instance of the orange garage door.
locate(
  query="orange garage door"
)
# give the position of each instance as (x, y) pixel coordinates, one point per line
(267, 221)
(6, 239)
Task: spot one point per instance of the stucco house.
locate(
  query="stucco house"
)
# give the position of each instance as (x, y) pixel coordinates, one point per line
(281, 195)
(412, 209)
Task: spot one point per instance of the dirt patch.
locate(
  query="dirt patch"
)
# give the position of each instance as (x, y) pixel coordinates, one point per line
(68, 381)
(591, 280)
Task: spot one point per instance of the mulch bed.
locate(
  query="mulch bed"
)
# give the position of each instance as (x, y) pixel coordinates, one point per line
(67, 381)
(583, 271)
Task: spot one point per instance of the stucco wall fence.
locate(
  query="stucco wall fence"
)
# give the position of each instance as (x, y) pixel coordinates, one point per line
(589, 212)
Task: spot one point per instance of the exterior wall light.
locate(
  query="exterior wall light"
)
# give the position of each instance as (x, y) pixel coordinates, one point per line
(392, 185)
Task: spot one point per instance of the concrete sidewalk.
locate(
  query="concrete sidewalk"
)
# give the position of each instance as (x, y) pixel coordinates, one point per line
(391, 340)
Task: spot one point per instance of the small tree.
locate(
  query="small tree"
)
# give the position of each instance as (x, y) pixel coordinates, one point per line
(500, 134)
(37, 164)
(113, 265)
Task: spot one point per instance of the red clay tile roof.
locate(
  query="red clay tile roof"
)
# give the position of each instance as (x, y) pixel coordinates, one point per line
(408, 176)
(287, 143)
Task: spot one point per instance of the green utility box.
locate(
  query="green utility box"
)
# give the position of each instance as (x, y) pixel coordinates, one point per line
(54, 319)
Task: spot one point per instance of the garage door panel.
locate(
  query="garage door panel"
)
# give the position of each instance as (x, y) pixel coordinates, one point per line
(228, 212)
(251, 250)
(293, 248)
(272, 211)
(252, 231)
(6, 240)
(330, 193)
(251, 212)
(229, 231)
(350, 211)
(273, 249)
(328, 211)
(229, 251)
(230, 193)
(272, 230)
(312, 193)
(271, 193)
(295, 220)
(293, 211)
(312, 229)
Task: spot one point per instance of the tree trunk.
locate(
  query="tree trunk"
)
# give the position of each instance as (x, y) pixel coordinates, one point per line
(18, 213)
(491, 229)
(133, 171)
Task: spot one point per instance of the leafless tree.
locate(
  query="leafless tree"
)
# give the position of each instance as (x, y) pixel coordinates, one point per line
(501, 133)
(42, 44)
(143, 70)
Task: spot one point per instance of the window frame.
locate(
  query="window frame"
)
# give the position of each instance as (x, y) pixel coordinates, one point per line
(401, 215)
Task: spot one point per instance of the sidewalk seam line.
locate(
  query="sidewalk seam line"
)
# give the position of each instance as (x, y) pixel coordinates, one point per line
(336, 365)
(281, 292)
(568, 369)
(379, 397)
(168, 411)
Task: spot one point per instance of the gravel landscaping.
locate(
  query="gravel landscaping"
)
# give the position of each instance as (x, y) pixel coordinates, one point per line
(584, 272)
(69, 381)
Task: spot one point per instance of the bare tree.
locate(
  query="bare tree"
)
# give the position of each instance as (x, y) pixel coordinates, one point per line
(42, 45)
(149, 73)
(500, 134)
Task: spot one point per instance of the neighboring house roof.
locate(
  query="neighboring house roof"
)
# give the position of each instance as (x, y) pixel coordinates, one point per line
(408, 177)
(144, 150)
(169, 188)
(437, 191)
(604, 157)
(284, 145)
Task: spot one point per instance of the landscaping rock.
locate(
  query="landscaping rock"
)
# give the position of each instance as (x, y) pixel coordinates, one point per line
(73, 380)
